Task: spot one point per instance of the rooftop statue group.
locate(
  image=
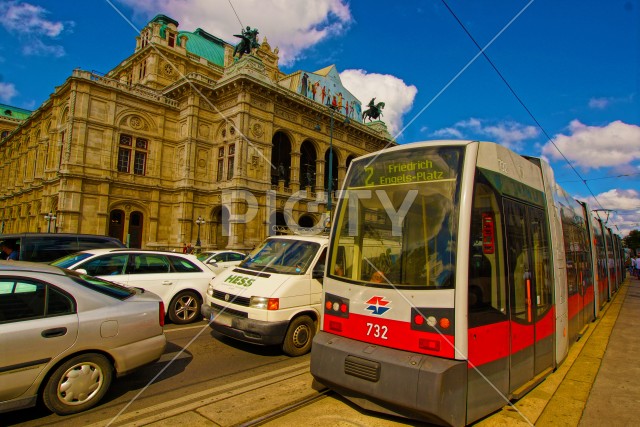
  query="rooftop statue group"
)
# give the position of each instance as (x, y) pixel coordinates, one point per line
(249, 41)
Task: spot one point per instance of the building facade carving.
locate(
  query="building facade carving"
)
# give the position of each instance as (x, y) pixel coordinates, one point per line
(182, 129)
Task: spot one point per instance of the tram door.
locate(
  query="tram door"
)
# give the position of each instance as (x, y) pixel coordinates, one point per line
(528, 267)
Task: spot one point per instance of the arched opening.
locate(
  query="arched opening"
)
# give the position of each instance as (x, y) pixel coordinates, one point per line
(278, 224)
(280, 159)
(220, 228)
(308, 159)
(135, 229)
(116, 224)
(306, 221)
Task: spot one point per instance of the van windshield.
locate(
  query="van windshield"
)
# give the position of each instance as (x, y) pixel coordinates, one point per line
(283, 256)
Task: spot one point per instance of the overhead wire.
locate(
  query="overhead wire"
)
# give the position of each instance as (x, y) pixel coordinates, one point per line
(236, 13)
(520, 101)
(601, 177)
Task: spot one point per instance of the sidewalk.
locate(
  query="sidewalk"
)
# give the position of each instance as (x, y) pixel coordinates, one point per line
(599, 382)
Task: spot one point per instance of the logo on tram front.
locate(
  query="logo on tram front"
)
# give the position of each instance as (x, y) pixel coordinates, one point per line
(378, 305)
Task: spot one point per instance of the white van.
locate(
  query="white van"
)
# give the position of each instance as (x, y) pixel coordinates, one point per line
(274, 296)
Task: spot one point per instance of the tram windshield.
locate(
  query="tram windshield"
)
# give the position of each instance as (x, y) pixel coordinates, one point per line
(396, 222)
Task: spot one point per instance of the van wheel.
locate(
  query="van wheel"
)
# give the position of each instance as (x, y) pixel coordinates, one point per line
(184, 308)
(299, 336)
(78, 384)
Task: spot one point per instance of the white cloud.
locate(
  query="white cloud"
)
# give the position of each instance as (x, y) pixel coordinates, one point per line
(395, 93)
(291, 25)
(599, 103)
(620, 207)
(448, 133)
(510, 134)
(30, 25)
(38, 48)
(27, 18)
(7, 91)
(592, 147)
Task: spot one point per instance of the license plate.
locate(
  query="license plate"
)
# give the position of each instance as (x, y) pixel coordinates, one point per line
(221, 318)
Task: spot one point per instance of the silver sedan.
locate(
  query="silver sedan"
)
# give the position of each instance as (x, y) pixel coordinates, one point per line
(64, 336)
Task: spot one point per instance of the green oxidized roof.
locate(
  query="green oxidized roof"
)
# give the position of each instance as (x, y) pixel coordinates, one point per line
(14, 112)
(205, 45)
(164, 19)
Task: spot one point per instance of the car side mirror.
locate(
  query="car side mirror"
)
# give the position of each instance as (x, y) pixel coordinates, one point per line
(81, 271)
(318, 272)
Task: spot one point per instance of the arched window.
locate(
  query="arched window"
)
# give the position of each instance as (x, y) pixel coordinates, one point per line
(280, 159)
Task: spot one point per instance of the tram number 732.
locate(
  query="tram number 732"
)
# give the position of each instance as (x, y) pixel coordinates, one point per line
(377, 331)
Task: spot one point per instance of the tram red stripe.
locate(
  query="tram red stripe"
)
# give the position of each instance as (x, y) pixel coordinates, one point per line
(488, 343)
(388, 333)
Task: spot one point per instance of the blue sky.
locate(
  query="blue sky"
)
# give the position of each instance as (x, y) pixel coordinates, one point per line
(574, 64)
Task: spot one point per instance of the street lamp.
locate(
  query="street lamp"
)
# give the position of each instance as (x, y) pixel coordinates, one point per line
(199, 221)
(333, 109)
(49, 217)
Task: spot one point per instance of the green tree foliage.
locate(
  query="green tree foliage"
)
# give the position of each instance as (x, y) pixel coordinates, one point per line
(632, 241)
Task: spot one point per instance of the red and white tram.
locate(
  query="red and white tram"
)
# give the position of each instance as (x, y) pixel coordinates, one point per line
(459, 274)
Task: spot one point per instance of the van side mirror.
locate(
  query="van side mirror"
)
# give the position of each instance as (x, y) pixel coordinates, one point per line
(318, 272)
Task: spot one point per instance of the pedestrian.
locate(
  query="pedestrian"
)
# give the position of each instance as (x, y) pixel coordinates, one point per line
(9, 251)
(184, 248)
(632, 266)
(637, 269)
(189, 248)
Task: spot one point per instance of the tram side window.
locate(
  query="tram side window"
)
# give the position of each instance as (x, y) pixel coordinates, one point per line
(487, 289)
(541, 260)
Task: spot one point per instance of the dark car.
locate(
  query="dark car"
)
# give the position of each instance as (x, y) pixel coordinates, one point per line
(46, 247)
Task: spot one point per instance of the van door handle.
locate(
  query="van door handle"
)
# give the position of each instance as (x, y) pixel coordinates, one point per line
(167, 282)
(55, 332)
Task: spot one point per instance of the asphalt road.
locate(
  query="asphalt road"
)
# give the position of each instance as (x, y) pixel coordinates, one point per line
(196, 363)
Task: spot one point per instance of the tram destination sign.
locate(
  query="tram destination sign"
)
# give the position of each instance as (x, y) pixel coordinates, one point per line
(404, 170)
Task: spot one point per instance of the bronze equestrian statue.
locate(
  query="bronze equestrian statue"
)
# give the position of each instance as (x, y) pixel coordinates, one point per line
(374, 112)
(249, 41)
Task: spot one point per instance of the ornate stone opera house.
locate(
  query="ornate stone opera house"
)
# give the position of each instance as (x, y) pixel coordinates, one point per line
(182, 130)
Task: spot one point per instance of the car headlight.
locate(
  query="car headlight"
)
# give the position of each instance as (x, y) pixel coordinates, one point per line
(210, 290)
(264, 303)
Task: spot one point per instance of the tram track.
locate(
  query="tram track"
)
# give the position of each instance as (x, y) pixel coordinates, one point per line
(279, 413)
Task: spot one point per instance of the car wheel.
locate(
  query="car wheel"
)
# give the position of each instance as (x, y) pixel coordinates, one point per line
(299, 336)
(78, 384)
(184, 308)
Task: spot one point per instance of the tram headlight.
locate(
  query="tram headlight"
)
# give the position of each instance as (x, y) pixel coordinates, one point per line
(444, 323)
(336, 306)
